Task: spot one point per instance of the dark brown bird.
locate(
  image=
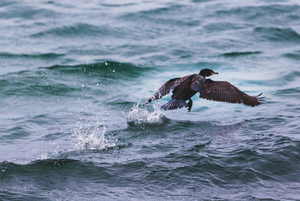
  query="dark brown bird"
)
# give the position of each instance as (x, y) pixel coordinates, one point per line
(185, 87)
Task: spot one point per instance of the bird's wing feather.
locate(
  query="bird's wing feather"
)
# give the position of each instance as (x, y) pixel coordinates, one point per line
(166, 88)
(225, 92)
(197, 82)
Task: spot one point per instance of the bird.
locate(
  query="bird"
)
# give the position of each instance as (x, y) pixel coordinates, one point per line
(186, 87)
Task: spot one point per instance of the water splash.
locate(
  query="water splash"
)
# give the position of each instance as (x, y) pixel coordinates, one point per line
(93, 142)
(141, 116)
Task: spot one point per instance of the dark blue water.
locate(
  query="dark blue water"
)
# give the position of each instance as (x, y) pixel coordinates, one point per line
(74, 75)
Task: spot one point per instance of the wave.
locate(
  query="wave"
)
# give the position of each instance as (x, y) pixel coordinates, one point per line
(162, 17)
(295, 55)
(4, 3)
(223, 26)
(272, 158)
(106, 68)
(35, 84)
(68, 31)
(236, 54)
(40, 168)
(291, 92)
(14, 133)
(277, 34)
(15, 10)
(118, 5)
(262, 160)
(262, 14)
(292, 76)
(59, 80)
(280, 81)
(33, 56)
(83, 29)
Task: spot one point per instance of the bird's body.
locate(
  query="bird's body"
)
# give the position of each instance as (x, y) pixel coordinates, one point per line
(186, 87)
(183, 91)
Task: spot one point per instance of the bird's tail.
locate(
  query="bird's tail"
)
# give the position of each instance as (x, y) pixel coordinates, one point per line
(174, 104)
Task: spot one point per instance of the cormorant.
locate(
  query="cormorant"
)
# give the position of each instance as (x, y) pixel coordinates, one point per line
(185, 87)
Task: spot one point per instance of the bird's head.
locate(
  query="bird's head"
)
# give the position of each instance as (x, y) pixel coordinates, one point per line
(207, 72)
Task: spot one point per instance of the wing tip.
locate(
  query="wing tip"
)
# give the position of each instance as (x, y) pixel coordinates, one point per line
(259, 100)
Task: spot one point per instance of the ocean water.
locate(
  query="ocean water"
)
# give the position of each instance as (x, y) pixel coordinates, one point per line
(74, 76)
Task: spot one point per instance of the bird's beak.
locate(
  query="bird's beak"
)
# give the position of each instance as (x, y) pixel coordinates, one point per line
(216, 73)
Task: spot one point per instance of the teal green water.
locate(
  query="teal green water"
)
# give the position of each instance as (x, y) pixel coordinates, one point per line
(74, 76)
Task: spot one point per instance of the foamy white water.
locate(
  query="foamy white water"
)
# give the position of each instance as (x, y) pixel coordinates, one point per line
(92, 141)
(141, 116)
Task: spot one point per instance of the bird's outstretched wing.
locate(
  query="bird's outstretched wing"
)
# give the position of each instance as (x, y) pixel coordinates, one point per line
(166, 88)
(225, 92)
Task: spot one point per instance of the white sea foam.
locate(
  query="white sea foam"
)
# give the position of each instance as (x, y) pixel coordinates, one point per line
(141, 116)
(93, 142)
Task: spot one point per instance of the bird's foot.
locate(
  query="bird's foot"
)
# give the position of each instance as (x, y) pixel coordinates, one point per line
(190, 103)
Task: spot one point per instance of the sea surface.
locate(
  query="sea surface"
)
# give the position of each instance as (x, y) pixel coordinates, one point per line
(74, 76)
